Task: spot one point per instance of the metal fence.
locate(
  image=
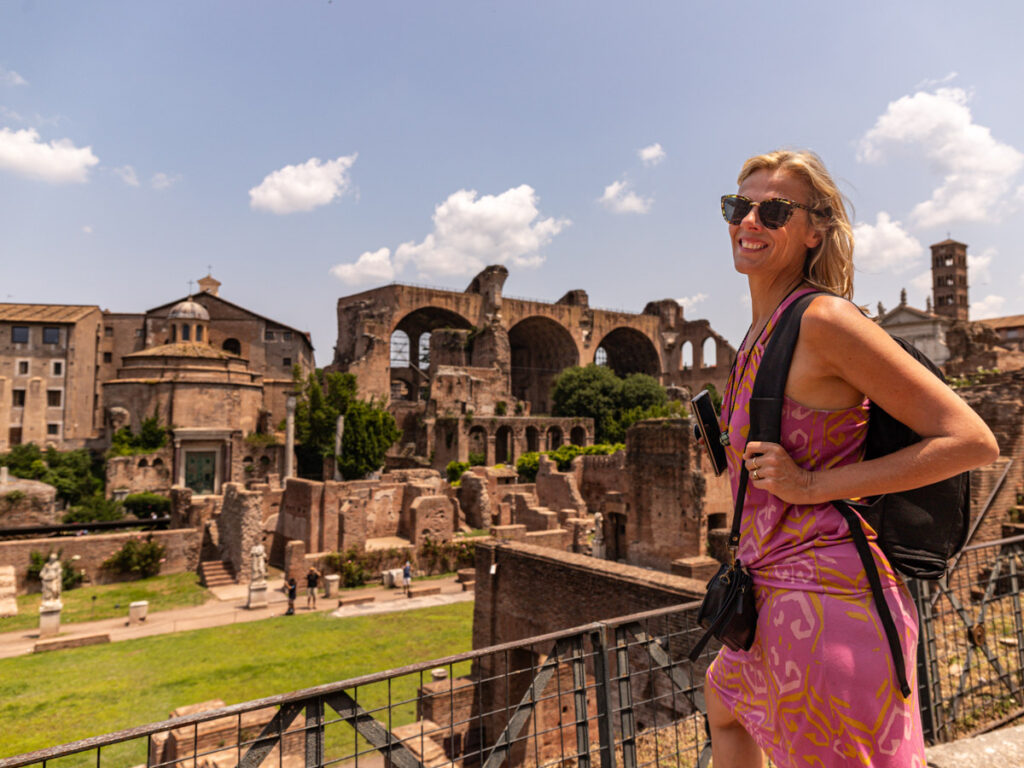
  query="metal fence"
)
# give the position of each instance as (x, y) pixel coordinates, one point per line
(609, 694)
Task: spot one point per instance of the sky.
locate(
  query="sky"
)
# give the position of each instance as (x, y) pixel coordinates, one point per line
(304, 151)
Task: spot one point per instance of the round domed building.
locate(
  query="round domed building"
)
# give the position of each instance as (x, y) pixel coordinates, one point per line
(209, 397)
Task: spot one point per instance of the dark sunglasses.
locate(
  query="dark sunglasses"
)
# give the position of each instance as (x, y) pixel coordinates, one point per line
(773, 213)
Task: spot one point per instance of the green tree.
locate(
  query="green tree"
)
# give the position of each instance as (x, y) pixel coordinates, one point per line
(614, 404)
(75, 474)
(369, 429)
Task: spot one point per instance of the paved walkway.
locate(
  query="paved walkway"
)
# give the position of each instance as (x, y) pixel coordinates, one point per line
(229, 608)
(1004, 748)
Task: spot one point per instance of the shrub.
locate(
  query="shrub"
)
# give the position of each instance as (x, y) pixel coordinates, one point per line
(351, 566)
(455, 469)
(147, 504)
(528, 464)
(93, 509)
(69, 577)
(446, 556)
(14, 497)
(500, 408)
(75, 474)
(152, 437)
(477, 459)
(137, 558)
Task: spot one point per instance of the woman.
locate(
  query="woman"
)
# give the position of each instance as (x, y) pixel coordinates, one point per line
(818, 687)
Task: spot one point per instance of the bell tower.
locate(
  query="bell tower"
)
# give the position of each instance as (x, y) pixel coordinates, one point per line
(949, 279)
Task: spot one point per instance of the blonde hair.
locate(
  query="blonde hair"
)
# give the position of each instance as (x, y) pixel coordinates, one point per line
(829, 265)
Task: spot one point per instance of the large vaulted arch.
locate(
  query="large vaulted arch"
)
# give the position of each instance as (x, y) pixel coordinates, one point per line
(541, 349)
(409, 340)
(629, 351)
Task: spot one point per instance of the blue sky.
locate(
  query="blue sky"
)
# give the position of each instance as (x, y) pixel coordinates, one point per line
(309, 150)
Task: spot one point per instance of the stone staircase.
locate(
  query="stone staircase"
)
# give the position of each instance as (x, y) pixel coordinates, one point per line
(216, 573)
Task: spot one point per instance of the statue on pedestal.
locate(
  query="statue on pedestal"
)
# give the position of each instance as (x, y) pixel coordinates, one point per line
(51, 575)
(259, 564)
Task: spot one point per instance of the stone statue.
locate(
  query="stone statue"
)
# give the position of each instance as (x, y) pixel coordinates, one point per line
(259, 563)
(597, 545)
(51, 575)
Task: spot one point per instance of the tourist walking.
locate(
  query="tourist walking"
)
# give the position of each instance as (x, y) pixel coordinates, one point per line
(407, 578)
(818, 685)
(312, 582)
(291, 589)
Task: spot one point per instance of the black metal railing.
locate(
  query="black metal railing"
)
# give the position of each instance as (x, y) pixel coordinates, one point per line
(615, 694)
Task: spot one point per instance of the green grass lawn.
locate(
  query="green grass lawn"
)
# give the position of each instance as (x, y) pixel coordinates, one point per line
(54, 698)
(176, 590)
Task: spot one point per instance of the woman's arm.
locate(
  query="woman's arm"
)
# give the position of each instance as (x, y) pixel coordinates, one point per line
(842, 356)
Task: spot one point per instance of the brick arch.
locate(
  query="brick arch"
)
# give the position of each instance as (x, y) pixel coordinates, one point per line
(541, 349)
(630, 351)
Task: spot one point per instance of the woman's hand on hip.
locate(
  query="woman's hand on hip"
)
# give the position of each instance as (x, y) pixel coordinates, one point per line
(772, 469)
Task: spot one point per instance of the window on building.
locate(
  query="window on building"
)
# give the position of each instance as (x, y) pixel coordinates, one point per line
(54, 398)
(19, 334)
(199, 333)
(286, 335)
(108, 331)
(57, 368)
(108, 357)
(23, 367)
(18, 398)
(14, 436)
(51, 335)
(186, 332)
(287, 362)
(53, 429)
(234, 346)
(268, 336)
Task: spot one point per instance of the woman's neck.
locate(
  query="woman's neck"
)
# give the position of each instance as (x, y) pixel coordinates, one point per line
(765, 298)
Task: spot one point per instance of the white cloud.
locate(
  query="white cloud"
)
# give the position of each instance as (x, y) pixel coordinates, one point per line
(990, 306)
(127, 174)
(935, 82)
(10, 77)
(885, 246)
(469, 233)
(651, 155)
(58, 162)
(618, 197)
(370, 267)
(303, 187)
(978, 171)
(977, 266)
(688, 303)
(164, 180)
(87, 229)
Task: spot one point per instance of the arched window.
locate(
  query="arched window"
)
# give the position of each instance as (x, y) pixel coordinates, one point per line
(710, 353)
(185, 328)
(601, 356)
(234, 346)
(424, 351)
(199, 333)
(687, 355)
(399, 349)
(143, 463)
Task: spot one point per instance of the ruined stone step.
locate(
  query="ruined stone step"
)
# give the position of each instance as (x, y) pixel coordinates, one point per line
(216, 573)
(424, 591)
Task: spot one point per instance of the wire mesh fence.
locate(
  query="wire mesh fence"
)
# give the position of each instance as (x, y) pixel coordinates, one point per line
(607, 694)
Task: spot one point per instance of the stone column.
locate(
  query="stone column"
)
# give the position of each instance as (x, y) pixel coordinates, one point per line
(338, 432)
(289, 438)
(491, 441)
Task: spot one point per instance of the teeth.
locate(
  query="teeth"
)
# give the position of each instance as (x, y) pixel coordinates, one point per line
(753, 246)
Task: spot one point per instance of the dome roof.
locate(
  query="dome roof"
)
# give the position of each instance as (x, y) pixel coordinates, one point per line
(188, 310)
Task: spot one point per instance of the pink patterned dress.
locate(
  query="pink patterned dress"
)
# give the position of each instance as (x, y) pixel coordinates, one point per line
(818, 686)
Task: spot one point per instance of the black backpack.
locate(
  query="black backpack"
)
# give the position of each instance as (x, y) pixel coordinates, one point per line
(918, 530)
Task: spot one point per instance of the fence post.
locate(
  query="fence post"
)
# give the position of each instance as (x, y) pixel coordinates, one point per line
(928, 682)
(603, 694)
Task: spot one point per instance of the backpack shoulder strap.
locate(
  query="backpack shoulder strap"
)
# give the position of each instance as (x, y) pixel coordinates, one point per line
(770, 383)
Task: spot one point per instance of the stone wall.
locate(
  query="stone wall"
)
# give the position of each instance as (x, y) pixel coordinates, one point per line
(240, 528)
(182, 553)
(28, 502)
(139, 473)
(534, 591)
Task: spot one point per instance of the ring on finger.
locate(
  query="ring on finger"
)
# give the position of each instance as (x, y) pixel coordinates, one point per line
(755, 475)
(754, 462)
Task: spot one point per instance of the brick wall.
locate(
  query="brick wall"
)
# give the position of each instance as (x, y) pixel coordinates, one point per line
(182, 553)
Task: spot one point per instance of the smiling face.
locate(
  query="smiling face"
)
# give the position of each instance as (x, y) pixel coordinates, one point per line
(757, 250)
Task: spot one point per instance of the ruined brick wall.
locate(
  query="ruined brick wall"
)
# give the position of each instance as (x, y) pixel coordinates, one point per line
(558, 490)
(534, 591)
(240, 528)
(999, 400)
(666, 518)
(140, 473)
(182, 553)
